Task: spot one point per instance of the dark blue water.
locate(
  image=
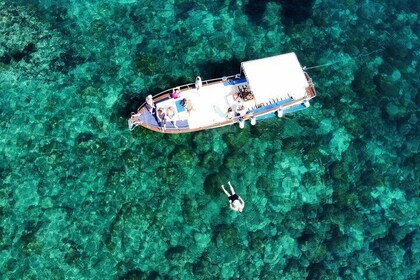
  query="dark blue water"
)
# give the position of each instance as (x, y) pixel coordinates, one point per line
(331, 192)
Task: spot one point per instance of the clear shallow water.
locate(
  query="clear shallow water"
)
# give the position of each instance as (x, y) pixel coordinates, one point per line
(331, 192)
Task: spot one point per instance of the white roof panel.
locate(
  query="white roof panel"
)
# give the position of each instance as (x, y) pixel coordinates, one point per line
(275, 77)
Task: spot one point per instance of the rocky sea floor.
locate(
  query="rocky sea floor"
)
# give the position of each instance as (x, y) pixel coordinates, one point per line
(331, 192)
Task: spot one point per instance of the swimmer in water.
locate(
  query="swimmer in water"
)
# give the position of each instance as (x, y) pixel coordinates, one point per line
(236, 203)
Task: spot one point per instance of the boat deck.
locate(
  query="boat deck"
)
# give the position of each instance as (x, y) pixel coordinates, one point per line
(266, 87)
(210, 104)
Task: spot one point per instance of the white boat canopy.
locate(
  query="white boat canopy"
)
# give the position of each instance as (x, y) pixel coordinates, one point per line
(276, 77)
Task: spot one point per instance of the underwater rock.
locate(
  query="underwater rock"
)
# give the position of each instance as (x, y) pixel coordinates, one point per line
(340, 171)
(183, 157)
(171, 175)
(295, 13)
(257, 240)
(291, 128)
(183, 8)
(236, 162)
(388, 252)
(340, 142)
(357, 126)
(321, 271)
(312, 153)
(147, 64)
(225, 235)
(31, 46)
(28, 240)
(91, 94)
(190, 210)
(386, 87)
(41, 162)
(413, 146)
(227, 272)
(91, 146)
(203, 141)
(84, 137)
(237, 140)
(295, 269)
(393, 110)
(211, 161)
(272, 255)
(175, 253)
(135, 274)
(115, 177)
(371, 10)
(206, 267)
(201, 239)
(73, 254)
(363, 84)
(213, 182)
(292, 145)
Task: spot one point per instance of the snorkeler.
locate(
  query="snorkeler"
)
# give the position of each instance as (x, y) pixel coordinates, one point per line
(236, 203)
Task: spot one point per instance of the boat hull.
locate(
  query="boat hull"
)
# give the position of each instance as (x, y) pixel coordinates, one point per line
(204, 107)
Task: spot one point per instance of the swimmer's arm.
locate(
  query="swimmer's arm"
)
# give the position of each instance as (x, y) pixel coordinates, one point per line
(243, 202)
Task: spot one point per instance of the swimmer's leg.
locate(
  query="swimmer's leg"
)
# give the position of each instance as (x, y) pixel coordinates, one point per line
(223, 187)
(231, 188)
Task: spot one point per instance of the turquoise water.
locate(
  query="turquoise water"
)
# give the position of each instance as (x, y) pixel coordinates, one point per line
(331, 192)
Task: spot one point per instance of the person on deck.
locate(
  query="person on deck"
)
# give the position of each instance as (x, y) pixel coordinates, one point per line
(187, 104)
(240, 110)
(150, 104)
(230, 114)
(236, 203)
(198, 82)
(161, 116)
(175, 93)
(170, 113)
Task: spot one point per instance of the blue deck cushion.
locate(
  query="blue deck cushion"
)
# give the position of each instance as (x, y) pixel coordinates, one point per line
(267, 116)
(270, 106)
(179, 106)
(151, 120)
(180, 124)
(289, 110)
(148, 118)
(235, 82)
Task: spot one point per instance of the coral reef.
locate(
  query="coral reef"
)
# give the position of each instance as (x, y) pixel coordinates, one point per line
(330, 193)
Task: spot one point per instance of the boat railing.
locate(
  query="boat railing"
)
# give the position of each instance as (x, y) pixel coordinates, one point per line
(189, 86)
(311, 89)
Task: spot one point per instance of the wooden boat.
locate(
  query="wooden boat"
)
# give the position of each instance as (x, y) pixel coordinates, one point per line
(267, 87)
